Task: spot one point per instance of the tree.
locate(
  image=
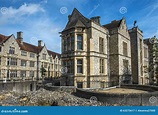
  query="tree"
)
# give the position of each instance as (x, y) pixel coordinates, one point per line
(42, 71)
(153, 67)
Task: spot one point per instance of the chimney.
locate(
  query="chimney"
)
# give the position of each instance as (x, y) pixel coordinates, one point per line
(96, 19)
(39, 43)
(20, 36)
(69, 16)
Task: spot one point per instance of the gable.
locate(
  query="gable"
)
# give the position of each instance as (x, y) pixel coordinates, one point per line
(76, 19)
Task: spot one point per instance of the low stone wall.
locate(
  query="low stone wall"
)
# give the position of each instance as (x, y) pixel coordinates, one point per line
(18, 86)
(60, 88)
(141, 87)
(143, 99)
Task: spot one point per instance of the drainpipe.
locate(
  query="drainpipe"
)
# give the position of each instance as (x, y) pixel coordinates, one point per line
(108, 64)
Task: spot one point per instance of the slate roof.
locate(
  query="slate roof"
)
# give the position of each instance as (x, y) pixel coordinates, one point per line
(28, 47)
(3, 38)
(78, 21)
(113, 24)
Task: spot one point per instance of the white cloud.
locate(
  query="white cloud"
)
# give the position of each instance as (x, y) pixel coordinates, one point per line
(23, 10)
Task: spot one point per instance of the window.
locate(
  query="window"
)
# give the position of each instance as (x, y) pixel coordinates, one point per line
(23, 62)
(0, 48)
(80, 42)
(31, 73)
(101, 65)
(32, 55)
(52, 66)
(124, 48)
(13, 73)
(12, 61)
(101, 45)
(32, 63)
(23, 73)
(145, 52)
(0, 60)
(56, 66)
(44, 57)
(65, 45)
(23, 53)
(125, 66)
(50, 59)
(69, 43)
(79, 66)
(72, 43)
(45, 65)
(11, 50)
(69, 65)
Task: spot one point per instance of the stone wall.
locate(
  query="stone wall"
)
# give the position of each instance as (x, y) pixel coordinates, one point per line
(19, 86)
(123, 99)
(60, 88)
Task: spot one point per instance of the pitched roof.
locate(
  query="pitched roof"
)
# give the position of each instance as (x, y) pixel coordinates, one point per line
(53, 54)
(28, 47)
(3, 38)
(113, 24)
(76, 19)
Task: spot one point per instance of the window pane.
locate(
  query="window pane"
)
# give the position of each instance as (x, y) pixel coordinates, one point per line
(79, 42)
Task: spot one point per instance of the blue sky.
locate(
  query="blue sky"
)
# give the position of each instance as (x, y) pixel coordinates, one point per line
(44, 19)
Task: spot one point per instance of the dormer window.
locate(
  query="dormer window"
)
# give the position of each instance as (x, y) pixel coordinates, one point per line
(44, 57)
(11, 50)
(23, 53)
(32, 55)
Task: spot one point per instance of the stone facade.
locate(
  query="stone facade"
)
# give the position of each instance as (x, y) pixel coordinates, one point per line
(88, 52)
(120, 52)
(96, 55)
(139, 57)
(21, 60)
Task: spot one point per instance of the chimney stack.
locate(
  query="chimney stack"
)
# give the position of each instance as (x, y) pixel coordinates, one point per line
(20, 36)
(39, 43)
(96, 19)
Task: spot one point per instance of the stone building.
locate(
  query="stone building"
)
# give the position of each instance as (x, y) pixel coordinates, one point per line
(119, 52)
(84, 52)
(95, 55)
(21, 60)
(139, 54)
